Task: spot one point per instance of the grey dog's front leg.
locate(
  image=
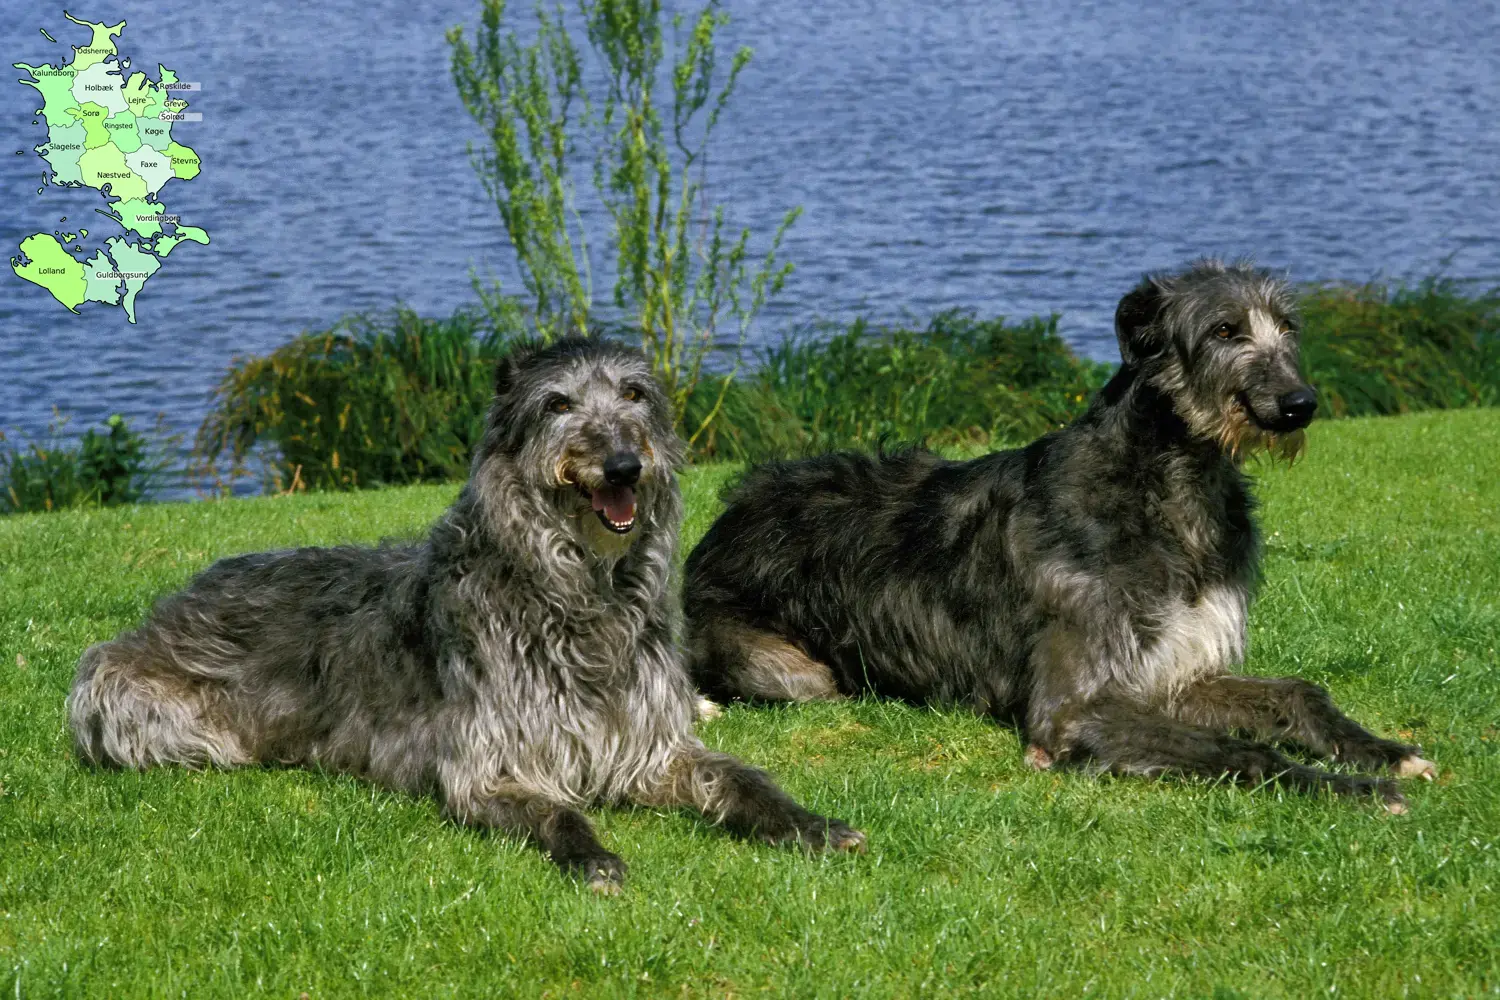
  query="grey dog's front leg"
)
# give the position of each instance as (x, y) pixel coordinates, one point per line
(1289, 708)
(747, 802)
(562, 831)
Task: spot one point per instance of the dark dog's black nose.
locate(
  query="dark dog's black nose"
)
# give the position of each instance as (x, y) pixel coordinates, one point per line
(622, 468)
(1296, 408)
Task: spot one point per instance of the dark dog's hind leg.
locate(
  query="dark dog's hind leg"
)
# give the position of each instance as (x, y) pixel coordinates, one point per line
(1131, 739)
(562, 831)
(1288, 708)
(729, 659)
(747, 802)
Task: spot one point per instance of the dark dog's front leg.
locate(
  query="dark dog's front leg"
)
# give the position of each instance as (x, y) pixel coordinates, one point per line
(562, 831)
(1288, 708)
(1132, 739)
(746, 801)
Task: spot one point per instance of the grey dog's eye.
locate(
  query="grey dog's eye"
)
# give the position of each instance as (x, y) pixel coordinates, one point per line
(559, 404)
(631, 394)
(1224, 331)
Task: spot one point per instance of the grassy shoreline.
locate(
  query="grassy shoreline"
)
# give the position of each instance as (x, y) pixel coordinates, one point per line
(985, 878)
(399, 398)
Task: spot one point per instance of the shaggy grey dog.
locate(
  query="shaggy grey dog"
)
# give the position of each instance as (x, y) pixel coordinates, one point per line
(1091, 588)
(518, 664)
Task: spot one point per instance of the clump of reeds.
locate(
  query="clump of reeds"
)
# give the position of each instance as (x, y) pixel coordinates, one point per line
(373, 401)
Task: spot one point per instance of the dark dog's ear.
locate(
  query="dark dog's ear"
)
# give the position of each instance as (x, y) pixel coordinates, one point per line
(1135, 322)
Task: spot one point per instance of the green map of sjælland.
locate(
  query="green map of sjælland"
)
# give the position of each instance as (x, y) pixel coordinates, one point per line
(112, 133)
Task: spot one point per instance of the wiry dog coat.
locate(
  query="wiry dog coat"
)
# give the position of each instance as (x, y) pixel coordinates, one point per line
(518, 663)
(1093, 587)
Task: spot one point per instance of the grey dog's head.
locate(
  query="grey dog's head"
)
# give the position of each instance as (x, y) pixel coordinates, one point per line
(1221, 341)
(584, 423)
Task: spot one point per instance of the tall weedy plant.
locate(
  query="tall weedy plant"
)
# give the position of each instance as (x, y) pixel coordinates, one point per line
(684, 283)
(527, 99)
(119, 466)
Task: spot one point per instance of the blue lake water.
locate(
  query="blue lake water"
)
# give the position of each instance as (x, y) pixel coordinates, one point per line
(1013, 158)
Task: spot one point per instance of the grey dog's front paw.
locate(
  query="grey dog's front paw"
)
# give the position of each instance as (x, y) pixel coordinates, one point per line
(603, 873)
(1037, 758)
(843, 837)
(818, 833)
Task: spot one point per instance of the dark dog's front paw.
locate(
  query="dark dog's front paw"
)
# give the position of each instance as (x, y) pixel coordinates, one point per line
(1377, 754)
(1412, 766)
(604, 873)
(1365, 785)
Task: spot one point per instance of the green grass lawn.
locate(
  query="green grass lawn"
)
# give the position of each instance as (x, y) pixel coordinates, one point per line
(1381, 579)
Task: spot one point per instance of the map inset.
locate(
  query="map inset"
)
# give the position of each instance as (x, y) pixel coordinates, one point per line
(113, 133)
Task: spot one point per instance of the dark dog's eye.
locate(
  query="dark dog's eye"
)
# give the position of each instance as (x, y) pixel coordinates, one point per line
(631, 394)
(559, 404)
(1224, 331)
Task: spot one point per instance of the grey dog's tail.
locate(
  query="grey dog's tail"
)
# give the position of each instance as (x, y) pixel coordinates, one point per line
(123, 714)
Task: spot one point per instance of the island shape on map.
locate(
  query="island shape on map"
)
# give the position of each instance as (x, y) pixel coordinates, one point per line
(113, 133)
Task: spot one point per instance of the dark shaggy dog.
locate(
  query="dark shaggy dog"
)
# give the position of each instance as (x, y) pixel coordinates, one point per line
(517, 664)
(1091, 587)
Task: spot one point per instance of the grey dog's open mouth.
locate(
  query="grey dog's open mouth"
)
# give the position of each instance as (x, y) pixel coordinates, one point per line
(615, 506)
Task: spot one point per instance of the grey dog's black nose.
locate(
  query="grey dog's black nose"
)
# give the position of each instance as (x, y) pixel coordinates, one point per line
(1296, 408)
(622, 468)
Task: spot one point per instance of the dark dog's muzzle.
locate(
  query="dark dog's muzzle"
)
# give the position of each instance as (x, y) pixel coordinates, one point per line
(1295, 410)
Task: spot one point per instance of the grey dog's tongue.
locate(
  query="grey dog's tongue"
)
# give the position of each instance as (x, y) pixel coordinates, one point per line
(617, 502)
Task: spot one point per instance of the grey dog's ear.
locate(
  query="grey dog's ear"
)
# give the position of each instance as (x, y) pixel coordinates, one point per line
(521, 353)
(505, 374)
(1135, 322)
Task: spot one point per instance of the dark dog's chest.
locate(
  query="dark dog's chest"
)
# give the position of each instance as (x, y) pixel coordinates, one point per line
(1151, 571)
(1172, 528)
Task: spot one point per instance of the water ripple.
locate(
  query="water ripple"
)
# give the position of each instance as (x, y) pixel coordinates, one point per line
(1008, 157)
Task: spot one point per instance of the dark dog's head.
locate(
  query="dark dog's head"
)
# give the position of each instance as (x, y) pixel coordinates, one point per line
(585, 423)
(1221, 342)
